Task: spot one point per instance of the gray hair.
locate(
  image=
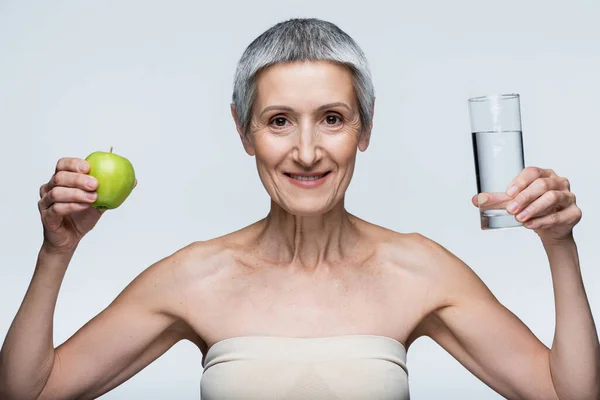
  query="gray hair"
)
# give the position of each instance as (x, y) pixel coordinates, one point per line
(301, 39)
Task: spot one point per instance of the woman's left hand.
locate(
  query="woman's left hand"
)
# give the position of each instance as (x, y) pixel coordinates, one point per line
(542, 201)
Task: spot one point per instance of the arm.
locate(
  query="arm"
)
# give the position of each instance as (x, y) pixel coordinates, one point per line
(575, 353)
(136, 328)
(492, 342)
(481, 334)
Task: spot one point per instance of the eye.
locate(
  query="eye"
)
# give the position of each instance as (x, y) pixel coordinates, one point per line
(332, 119)
(279, 122)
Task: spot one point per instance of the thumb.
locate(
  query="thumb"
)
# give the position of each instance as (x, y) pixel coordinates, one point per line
(491, 200)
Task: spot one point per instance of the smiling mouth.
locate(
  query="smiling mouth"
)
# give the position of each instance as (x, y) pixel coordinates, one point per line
(310, 177)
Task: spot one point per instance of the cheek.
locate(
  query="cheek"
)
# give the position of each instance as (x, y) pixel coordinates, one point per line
(343, 147)
(269, 150)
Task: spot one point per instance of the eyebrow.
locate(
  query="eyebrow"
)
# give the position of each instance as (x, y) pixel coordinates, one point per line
(323, 107)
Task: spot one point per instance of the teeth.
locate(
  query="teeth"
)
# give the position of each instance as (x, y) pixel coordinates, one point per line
(306, 178)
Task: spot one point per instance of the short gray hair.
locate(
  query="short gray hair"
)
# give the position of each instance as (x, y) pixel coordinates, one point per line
(301, 39)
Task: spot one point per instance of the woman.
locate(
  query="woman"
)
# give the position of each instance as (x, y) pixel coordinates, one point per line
(311, 301)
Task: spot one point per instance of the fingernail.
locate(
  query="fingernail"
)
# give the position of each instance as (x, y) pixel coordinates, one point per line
(522, 215)
(90, 183)
(512, 206)
(91, 196)
(82, 166)
(482, 199)
(511, 191)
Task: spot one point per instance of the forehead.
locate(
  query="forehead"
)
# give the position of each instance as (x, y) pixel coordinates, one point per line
(305, 82)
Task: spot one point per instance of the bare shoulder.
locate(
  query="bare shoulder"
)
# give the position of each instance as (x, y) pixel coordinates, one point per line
(449, 274)
(196, 270)
(164, 287)
(172, 272)
(427, 258)
(409, 250)
(453, 287)
(197, 260)
(432, 268)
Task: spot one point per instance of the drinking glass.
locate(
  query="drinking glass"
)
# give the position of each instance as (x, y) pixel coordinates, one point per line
(498, 153)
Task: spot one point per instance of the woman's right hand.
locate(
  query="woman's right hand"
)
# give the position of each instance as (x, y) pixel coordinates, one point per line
(65, 205)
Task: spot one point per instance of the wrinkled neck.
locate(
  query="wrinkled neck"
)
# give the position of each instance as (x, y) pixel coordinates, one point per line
(307, 241)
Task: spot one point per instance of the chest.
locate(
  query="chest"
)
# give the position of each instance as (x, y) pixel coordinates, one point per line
(280, 303)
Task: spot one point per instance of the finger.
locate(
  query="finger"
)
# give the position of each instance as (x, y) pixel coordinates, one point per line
(72, 164)
(526, 177)
(61, 194)
(547, 203)
(570, 215)
(72, 180)
(60, 210)
(532, 192)
(43, 190)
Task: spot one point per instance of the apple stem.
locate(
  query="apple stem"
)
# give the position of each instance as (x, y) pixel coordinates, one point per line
(111, 149)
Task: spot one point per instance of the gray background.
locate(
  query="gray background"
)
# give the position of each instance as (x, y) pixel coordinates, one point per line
(153, 79)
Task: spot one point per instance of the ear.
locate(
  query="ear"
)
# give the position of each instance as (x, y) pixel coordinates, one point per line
(248, 146)
(365, 137)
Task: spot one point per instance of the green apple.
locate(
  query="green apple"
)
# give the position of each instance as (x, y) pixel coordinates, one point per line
(116, 178)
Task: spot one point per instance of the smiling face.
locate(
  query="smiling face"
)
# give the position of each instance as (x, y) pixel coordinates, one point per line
(304, 133)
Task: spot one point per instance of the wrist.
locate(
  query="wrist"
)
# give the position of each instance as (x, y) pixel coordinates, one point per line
(568, 240)
(48, 251)
(51, 266)
(562, 254)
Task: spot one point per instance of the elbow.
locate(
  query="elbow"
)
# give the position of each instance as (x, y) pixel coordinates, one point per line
(580, 392)
(14, 389)
(10, 391)
(15, 384)
(580, 380)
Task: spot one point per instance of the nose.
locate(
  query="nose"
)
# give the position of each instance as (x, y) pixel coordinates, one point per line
(307, 151)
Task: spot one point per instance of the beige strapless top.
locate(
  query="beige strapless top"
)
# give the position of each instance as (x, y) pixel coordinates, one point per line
(338, 367)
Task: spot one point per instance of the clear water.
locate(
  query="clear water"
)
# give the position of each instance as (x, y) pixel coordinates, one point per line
(498, 160)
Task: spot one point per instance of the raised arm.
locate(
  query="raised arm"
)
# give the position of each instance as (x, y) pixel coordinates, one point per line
(491, 341)
(139, 325)
(135, 329)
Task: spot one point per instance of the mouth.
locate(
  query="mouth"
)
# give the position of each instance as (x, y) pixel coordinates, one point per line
(308, 180)
(307, 177)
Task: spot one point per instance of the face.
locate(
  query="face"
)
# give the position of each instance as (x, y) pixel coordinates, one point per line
(304, 134)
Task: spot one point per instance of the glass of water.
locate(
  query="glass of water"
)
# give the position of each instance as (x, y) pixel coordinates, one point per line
(498, 153)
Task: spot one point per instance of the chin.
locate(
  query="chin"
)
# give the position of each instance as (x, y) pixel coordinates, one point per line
(307, 209)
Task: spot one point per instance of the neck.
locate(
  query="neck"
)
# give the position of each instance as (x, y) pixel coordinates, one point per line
(307, 241)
